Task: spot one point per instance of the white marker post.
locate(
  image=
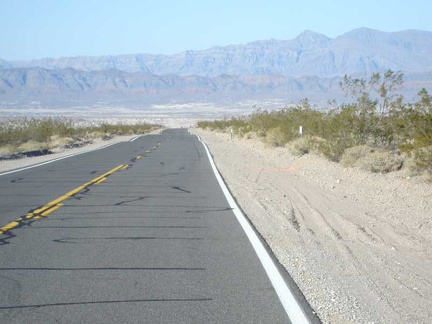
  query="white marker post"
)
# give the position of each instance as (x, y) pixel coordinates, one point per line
(301, 131)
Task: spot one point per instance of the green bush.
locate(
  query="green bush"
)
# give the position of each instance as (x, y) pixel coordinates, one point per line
(331, 149)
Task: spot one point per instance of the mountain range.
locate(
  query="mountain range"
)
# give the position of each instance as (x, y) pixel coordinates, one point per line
(310, 65)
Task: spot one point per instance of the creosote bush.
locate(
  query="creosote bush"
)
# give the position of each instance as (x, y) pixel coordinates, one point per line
(15, 133)
(369, 133)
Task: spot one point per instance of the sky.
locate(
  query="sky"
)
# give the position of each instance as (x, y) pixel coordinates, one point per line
(34, 29)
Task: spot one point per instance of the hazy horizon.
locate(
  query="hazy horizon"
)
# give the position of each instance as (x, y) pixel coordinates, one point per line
(215, 45)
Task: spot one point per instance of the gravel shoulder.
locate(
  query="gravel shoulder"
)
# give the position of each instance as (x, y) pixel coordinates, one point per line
(357, 244)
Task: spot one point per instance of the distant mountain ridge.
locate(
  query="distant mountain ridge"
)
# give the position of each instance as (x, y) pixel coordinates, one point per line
(38, 81)
(20, 87)
(361, 51)
(310, 65)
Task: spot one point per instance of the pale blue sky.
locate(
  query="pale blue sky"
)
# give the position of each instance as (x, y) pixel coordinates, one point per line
(54, 28)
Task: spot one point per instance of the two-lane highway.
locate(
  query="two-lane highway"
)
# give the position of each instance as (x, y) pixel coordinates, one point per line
(139, 232)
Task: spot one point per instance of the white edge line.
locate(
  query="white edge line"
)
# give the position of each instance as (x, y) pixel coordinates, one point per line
(290, 304)
(54, 160)
(135, 138)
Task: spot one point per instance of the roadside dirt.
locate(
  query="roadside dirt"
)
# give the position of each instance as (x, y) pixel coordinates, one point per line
(359, 245)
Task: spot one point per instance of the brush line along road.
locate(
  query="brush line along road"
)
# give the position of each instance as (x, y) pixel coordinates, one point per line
(139, 232)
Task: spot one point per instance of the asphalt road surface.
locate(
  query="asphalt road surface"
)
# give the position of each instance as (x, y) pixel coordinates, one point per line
(139, 232)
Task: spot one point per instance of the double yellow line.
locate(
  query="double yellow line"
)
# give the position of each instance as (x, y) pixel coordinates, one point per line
(57, 203)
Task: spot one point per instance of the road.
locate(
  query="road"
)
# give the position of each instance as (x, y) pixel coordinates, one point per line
(140, 232)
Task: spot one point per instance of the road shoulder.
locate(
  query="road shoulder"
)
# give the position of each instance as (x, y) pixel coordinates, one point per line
(357, 244)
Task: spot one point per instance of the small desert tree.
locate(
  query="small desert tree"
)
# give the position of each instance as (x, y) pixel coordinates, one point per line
(376, 102)
(385, 86)
(415, 131)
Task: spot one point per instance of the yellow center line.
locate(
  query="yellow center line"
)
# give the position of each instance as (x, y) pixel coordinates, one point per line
(76, 190)
(8, 227)
(49, 211)
(56, 203)
(100, 181)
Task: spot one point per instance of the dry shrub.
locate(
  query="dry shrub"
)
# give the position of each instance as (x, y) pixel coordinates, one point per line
(261, 133)
(250, 135)
(57, 141)
(31, 134)
(380, 161)
(355, 153)
(32, 146)
(5, 150)
(301, 146)
(411, 167)
(242, 131)
(276, 137)
(423, 159)
(94, 135)
(330, 149)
